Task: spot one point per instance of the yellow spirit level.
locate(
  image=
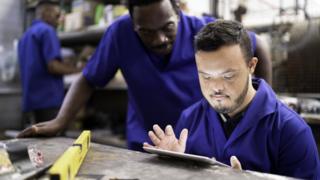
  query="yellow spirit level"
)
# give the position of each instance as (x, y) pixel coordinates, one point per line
(67, 166)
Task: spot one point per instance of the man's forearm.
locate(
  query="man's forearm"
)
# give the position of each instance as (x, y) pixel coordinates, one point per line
(77, 96)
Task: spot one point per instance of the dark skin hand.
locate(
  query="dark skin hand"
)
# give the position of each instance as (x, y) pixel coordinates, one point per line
(59, 68)
(48, 128)
(76, 97)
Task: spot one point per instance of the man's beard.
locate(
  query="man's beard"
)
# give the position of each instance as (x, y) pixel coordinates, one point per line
(238, 101)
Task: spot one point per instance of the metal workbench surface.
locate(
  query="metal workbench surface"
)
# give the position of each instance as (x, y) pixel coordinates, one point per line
(106, 162)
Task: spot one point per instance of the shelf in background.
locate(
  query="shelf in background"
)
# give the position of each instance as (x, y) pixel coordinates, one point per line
(111, 1)
(311, 118)
(86, 37)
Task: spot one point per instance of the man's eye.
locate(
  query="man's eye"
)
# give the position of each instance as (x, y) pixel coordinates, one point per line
(205, 77)
(228, 77)
(169, 27)
(147, 32)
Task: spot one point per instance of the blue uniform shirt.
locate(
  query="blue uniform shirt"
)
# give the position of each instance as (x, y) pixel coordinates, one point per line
(36, 48)
(157, 93)
(269, 138)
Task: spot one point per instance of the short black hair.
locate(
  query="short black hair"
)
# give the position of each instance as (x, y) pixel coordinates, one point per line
(222, 33)
(48, 2)
(132, 3)
(42, 7)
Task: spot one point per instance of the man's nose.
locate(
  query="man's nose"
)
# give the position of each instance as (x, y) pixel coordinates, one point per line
(217, 85)
(161, 38)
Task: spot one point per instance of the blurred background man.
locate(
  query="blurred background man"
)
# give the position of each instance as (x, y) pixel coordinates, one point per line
(41, 65)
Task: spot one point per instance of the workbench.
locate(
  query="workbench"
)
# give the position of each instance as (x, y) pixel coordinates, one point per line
(106, 162)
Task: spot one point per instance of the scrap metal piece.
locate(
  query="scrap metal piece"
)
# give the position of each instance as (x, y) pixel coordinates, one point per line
(19, 161)
(5, 163)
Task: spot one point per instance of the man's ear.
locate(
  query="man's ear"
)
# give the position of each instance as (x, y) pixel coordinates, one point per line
(252, 64)
(178, 4)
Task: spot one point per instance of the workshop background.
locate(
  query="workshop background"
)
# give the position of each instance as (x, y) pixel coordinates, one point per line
(291, 28)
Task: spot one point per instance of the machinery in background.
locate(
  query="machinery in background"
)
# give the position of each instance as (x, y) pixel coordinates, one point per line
(296, 57)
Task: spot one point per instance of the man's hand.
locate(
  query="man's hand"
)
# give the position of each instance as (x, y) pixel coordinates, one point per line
(235, 163)
(49, 128)
(167, 140)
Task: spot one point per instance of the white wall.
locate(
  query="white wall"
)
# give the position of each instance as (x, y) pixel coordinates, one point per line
(197, 7)
(10, 21)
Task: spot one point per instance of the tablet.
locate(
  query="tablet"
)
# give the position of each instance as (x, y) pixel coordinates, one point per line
(192, 157)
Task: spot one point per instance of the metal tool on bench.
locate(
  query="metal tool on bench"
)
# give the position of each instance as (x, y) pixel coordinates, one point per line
(19, 161)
